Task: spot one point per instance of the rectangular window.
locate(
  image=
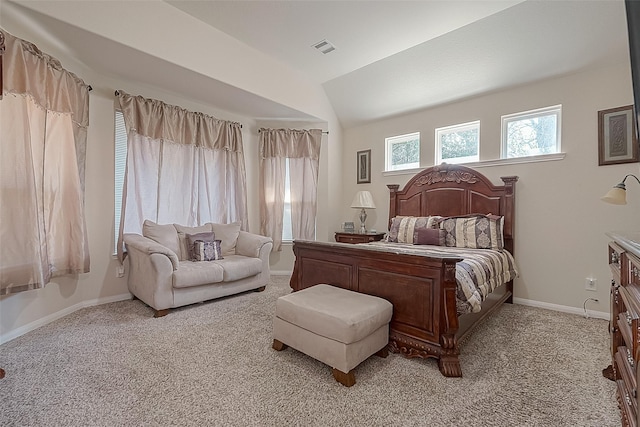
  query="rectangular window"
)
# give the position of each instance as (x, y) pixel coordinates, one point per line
(287, 231)
(458, 143)
(120, 165)
(402, 152)
(531, 133)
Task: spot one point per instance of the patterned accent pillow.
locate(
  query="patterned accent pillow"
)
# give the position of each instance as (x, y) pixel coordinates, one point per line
(403, 228)
(474, 231)
(191, 239)
(206, 251)
(429, 236)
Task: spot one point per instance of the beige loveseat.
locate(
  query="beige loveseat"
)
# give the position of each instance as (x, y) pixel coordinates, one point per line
(162, 275)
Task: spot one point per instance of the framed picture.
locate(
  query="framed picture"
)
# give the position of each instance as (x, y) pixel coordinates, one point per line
(364, 166)
(617, 142)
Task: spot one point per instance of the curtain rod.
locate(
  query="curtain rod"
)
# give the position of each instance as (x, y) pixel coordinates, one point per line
(118, 94)
(324, 131)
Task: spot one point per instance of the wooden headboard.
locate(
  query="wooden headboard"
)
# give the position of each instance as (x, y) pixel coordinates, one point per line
(450, 190)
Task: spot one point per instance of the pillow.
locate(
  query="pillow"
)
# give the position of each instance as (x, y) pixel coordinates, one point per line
(474, 231)
(206, 251)
(403, 228)
(164, 234)
(185, 248)
(191, 239)
(228, 234)
(429, 236)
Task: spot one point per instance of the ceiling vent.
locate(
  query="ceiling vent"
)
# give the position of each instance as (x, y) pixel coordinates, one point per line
(324, 46)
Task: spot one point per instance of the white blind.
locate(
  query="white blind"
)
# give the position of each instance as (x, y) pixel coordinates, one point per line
(287, 231)
(120, 166)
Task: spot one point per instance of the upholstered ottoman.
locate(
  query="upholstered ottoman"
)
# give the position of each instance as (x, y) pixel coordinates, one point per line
(338, 327)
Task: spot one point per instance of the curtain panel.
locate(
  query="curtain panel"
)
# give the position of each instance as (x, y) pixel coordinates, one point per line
(182, 167)
(302, 148)
(44, 115)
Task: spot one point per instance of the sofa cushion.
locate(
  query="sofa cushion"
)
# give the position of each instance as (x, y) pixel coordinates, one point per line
(182, 237)
(228, 234)
(164, 234)
(197, 273)
(238, 267)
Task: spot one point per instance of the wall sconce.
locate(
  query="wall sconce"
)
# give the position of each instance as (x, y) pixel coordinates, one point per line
(618, 194)
(363, 200)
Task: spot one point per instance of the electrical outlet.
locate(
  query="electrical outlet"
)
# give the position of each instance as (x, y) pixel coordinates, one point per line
(590, 284)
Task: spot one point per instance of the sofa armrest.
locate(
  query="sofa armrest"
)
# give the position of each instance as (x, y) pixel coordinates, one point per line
(148, 246)
(250, 244)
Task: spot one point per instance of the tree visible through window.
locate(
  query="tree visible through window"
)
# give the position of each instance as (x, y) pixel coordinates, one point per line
(531, 133)
(403, 151)
(458, 143)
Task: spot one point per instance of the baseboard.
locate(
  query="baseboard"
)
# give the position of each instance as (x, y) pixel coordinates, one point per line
(562, 308)
(59, 314)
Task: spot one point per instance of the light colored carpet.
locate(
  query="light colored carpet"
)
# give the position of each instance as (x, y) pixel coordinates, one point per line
(212, 364)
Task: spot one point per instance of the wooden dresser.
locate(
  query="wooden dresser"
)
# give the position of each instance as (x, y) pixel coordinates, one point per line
(624, 326)
(342, 237)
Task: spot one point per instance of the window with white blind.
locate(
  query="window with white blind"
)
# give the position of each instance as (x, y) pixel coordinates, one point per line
(120, 165)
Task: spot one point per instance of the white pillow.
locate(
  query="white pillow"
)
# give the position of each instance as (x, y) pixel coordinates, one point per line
(228, 234)
(164, 234)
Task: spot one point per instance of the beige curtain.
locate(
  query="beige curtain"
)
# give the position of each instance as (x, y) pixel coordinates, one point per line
(302, 148)
(182, 167)
(44, 114)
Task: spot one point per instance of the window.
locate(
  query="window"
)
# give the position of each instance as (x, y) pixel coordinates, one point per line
(458, 143)
(531, 133)
(287, 231)
(403, 152)
(120, 165)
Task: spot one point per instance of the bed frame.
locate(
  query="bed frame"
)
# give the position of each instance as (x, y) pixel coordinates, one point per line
(422, 290)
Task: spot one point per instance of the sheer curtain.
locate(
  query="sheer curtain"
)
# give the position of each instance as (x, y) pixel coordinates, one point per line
(302, 148)
(44, 114)
(182, 167)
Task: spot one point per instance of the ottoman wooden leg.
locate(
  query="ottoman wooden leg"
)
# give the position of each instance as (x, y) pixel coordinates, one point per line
(384, 352)
(278, 345)
(346, 380)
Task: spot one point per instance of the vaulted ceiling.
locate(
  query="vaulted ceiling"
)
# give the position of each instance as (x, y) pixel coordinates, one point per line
(391, 57)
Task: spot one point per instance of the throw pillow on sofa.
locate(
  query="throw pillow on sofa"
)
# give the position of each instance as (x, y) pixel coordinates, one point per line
(192, 239)
(228, 234)
(206, 251)
(185, 251)
(164, 234)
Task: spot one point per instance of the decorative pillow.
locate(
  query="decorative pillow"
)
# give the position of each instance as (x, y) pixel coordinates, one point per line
(429, 236)
(185, 248)
(206, 251)
(228, 234)
(474, 231)
(164, 234)
(191, 239)
(403, 228)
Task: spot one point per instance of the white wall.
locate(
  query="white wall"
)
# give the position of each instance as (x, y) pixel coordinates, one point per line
(560, 221)
(22, 312)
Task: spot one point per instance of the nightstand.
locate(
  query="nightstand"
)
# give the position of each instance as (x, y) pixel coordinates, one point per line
(357, 237)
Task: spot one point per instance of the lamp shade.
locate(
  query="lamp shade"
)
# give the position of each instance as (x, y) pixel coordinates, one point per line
(363, 200)
(616, 196)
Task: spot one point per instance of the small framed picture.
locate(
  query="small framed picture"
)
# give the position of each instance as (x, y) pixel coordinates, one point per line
(617, 142)
(348, 227)
(364, 166)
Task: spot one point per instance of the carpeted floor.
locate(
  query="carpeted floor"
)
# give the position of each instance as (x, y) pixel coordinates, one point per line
(212, 364)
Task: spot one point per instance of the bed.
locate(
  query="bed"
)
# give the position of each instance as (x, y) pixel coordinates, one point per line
(423, 289)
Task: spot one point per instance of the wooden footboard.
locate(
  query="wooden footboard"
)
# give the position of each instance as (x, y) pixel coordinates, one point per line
(422, 291)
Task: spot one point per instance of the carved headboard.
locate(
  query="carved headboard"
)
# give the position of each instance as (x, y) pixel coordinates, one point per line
(450, 190)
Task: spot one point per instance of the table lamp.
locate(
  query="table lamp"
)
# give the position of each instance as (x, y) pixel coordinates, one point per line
(363, 201)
